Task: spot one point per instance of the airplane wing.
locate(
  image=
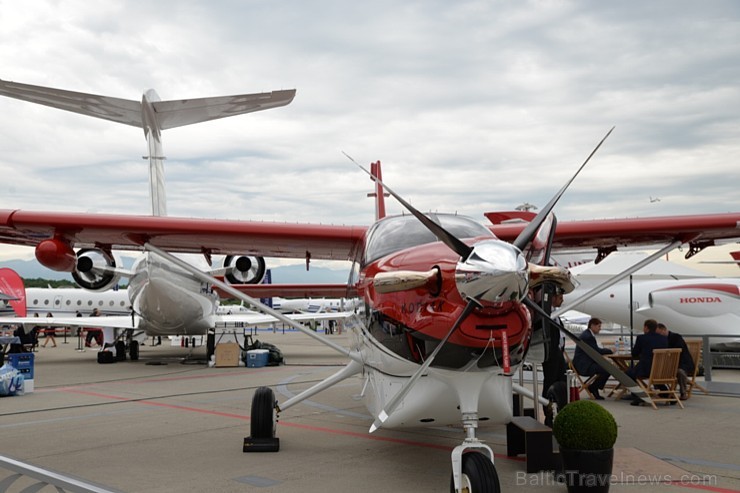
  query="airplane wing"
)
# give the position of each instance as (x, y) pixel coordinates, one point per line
(254, 318)
(181, 235)
(292, 290)
(114, 321)
(606, 233)
(312, 241)
(125, 322)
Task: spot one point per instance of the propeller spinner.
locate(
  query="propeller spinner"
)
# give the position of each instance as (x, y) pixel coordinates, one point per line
(495, 271)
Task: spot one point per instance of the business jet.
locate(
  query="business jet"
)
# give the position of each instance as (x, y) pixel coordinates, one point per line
(447, 305)
(686, 300)
(165, 300)
(60, 302)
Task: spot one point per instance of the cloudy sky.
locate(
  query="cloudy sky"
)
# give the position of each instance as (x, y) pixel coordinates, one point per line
(471, 106)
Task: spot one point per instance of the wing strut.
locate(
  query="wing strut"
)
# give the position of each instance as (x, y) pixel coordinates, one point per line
(610, 282)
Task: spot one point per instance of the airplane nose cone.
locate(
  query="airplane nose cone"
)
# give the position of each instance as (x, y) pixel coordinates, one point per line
(496, 272)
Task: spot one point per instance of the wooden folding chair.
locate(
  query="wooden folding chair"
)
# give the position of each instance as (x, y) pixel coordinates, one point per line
(582, 384)
(694, 346)
(662, 384)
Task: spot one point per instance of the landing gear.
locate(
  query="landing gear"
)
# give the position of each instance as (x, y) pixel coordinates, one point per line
(478, 475)
(120, 351)
(133, 350)
(263, 423)
(472, 462)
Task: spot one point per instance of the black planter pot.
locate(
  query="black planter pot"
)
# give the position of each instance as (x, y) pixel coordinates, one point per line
(587, 470)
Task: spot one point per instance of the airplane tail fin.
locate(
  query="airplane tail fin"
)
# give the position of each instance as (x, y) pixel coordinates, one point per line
(11, 284)
(379, 193)
(151, 114)
(736, 257)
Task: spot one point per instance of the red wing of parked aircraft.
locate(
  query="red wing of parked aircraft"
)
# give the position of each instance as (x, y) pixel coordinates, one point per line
(55, 234)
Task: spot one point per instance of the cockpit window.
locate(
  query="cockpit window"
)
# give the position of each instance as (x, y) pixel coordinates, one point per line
(399, 232)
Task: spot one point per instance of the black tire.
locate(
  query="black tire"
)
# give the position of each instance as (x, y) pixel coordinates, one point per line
(478, 474)
(210, 345)
(263, 413)
(133, 350)
(557, 394)
(120, 351)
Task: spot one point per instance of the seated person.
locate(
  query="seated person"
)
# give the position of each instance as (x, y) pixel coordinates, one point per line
(643, 349)
(685, 364)
(584, 365)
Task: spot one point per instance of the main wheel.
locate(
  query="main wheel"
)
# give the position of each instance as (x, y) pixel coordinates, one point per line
(478, 475)
(120, 351)
(133, 350)
(263, 413)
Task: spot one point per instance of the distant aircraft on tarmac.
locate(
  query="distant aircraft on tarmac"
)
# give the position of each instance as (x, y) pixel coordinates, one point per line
(686, 300)
(166, 300)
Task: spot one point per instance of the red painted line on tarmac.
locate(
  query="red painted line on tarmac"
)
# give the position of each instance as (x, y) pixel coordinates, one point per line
(364, 436)
(282, 423)
(702, 487)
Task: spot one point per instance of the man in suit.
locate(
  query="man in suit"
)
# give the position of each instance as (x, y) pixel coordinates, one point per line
(685, 364)
(643, 349)
(584, 365)
(554, 366)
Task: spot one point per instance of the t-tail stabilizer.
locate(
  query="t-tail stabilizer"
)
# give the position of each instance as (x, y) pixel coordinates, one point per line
(151, 114)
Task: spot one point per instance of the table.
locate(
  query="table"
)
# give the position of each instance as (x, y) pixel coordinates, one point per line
(622, 361)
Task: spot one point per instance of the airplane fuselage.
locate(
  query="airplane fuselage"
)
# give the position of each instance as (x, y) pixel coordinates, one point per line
(168, 300)
(691, 307)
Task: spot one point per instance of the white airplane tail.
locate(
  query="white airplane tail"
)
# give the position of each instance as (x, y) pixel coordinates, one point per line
(151, 114)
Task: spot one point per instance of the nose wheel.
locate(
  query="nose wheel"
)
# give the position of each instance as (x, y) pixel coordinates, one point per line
(472, 463)
(478, 475)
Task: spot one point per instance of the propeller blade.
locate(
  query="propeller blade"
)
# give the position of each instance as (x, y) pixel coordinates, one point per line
(391, 406)
(528, 233)
(442, 234)
(612, 369)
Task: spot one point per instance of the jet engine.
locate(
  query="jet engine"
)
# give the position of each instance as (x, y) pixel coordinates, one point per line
(95, 270)
(244, 269)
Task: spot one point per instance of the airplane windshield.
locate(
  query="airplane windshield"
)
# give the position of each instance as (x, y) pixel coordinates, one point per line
(399, 232)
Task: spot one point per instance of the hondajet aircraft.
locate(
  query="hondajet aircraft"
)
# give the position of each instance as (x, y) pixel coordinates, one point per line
(447, 305)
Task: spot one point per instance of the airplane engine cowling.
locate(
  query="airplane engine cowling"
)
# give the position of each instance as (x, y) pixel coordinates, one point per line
(89, 271)
(245, 269)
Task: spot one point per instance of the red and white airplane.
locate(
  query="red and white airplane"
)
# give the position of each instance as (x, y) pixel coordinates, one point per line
(447, 305)
(686, 300)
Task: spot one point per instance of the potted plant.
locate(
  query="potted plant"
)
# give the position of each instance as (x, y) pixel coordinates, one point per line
(586, 433)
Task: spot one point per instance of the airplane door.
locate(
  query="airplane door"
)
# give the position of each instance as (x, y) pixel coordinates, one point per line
(57, 302)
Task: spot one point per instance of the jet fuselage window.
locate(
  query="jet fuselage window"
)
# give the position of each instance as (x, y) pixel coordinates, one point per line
(397, 233)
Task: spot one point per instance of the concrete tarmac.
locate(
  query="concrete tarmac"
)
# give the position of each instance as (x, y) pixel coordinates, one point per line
(163, 425)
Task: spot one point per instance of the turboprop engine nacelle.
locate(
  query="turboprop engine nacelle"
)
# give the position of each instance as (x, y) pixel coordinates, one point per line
(95, 270)
(244, 269)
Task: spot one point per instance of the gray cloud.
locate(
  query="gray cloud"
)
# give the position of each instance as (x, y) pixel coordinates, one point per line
(471, 106)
